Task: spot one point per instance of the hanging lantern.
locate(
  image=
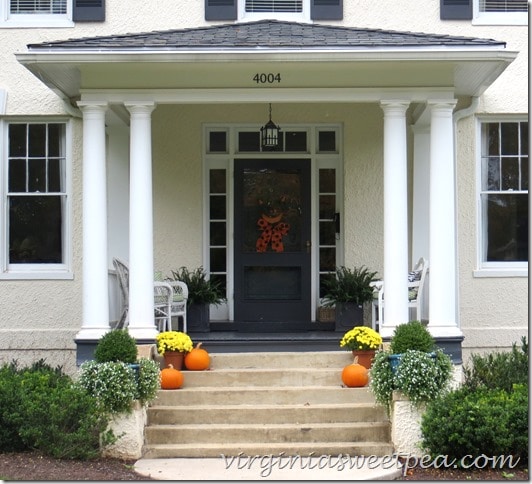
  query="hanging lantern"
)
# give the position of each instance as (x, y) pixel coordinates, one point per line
(269, 134)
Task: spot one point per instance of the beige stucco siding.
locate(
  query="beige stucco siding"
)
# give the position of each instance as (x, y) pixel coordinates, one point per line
(41, 318)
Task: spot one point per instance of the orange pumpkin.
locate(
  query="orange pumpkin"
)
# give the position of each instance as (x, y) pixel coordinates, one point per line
(171, 378)
(197, 359)
(355, 375)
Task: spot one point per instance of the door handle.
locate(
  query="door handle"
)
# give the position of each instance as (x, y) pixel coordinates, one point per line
(309, 245)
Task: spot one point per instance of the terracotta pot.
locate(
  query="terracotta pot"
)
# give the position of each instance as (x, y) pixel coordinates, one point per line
(174, 358)
(365, 357)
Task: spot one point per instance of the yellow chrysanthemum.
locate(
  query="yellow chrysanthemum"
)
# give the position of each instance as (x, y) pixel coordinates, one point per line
(361, 338)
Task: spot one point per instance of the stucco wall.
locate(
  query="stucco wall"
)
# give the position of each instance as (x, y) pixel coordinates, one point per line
(37, 316)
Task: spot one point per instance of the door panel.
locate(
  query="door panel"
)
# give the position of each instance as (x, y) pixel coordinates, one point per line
(272, 244)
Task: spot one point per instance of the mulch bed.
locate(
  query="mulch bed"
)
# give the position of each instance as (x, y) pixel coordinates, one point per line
(32, 466)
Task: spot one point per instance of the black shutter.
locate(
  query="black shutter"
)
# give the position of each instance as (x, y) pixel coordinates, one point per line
(456, 9)
(220, 10)
(88, 10)
(326, 9)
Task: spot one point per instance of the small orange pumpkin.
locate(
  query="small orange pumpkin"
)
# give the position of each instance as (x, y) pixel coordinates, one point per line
(355, 375)
(197, 359)
(171, 378)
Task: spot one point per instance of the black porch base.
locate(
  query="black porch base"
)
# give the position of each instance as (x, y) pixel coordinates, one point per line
(222, 339)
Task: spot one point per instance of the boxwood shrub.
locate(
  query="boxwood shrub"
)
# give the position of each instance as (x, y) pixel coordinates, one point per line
(474, 422)
(488, 414)
(41, 409)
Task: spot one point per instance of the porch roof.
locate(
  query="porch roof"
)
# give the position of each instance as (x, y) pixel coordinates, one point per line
(268, 34)
(185, 65)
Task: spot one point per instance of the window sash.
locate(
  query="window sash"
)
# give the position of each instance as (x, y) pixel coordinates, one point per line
(503, 6)
(280, 6)
(503, 191)
(38, 7)
(36, 195)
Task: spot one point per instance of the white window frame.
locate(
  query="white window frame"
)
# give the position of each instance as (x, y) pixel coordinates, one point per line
(304, 16)
(36, 271)
(497, 18)
(488, 268)
(8, 20)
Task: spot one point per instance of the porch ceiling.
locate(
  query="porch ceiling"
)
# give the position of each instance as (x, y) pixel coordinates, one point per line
(308, 58)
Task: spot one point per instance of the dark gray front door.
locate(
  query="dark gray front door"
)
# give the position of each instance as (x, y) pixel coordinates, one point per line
(272, 245)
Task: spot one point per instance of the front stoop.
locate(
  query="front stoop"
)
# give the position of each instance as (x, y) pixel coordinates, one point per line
(267, 403)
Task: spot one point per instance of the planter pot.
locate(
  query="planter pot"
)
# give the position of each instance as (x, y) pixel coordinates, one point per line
(136, 369)
(174, 358)
(348, 315)
(198, 316)
(365, 357)
(396, 359)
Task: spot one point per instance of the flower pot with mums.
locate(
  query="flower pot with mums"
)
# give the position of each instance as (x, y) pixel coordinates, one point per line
(363, 342)
(173, 346)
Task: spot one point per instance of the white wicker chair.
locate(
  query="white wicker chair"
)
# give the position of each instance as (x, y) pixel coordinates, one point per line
(417, 283)
(162, 298)
(179, 302)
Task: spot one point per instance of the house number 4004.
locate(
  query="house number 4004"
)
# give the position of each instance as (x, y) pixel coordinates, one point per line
(269, 78)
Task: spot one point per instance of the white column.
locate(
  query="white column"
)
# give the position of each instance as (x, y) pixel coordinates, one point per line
(95, 289)
(141, 320)
(395, 216)
(443, 260)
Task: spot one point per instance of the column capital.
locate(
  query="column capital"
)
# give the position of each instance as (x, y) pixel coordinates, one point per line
(92, 105)
(441, 105)
(394, 107)
(140, 107)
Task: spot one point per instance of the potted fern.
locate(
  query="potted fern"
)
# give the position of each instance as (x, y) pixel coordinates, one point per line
(202, 292)
(348, 292)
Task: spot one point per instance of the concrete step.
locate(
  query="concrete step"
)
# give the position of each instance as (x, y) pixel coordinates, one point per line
(263, 395)
(303, 449)
(266, 414)
(249, 377)
(282, 403)
(268, 433)
(282, 359)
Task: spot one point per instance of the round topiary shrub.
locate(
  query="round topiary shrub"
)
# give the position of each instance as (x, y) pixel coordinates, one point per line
(116, 345)
(411, 336)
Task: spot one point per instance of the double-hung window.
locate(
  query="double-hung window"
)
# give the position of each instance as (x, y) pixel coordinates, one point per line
(49, 13)
(501, 12)
(486, 12)
(36, 201)
(297, 10)
(36, 13)
(504, 178)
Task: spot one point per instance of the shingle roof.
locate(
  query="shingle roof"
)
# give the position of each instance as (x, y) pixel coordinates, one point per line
(267, 34)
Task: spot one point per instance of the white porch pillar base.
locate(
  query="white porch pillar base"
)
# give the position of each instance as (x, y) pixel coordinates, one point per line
(443, 315)
(395, 216)
(95, 298)
(141, 318)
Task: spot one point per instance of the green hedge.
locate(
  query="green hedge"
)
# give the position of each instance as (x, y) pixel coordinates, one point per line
(41, 409)
(475, 422)
(488, 415)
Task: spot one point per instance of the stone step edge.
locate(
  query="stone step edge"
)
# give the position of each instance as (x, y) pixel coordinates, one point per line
(271, 426)
(268, 388)
(259, 406)
(296, 369)
(278, 445)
